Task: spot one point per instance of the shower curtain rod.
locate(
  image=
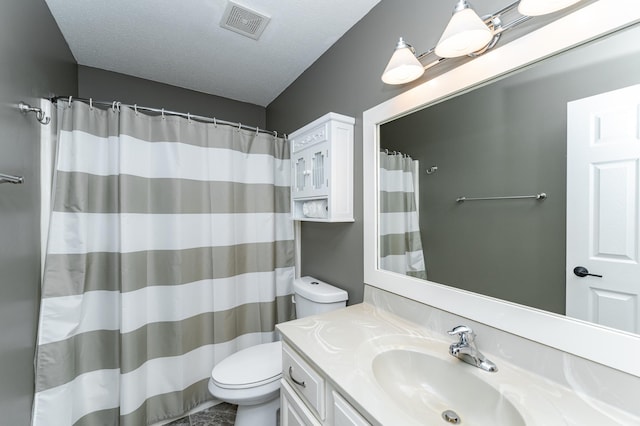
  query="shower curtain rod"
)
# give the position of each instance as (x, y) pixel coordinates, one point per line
(162, 111)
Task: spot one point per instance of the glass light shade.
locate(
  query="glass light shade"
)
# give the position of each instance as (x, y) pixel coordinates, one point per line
(466, 33)
(403, 67)
(542, 7)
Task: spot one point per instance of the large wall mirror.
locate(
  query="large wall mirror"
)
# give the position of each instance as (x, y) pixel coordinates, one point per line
(508, 139)
(504, 258)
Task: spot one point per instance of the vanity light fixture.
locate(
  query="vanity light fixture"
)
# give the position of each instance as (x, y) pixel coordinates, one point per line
(466, 34)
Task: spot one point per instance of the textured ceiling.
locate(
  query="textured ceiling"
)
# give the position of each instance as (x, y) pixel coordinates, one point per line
(181, 42)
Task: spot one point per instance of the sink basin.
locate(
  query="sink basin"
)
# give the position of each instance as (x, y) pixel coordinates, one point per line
(425, 386)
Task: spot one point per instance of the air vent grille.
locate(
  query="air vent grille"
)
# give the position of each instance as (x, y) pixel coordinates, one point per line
(244, 21)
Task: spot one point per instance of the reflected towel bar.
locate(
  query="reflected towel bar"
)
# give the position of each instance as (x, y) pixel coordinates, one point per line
(541, 196)
(11, 179)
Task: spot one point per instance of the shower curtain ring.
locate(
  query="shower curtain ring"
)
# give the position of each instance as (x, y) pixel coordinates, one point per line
(215, 123)
(135, 108)
(163, 117)
(113, 106)
(257, 130)
(91, 104)
(70, 98)
(118, 106)
(239, 126)
(189, 117)
(275, 135)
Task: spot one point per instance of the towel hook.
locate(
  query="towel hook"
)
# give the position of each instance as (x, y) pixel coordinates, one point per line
(11, 179)
(431, 170)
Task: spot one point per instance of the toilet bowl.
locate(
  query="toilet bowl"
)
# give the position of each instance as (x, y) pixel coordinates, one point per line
(250, 378)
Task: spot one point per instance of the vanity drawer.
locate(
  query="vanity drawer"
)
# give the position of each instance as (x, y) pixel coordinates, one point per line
(344, 414)
(293, 412)
(304, 380)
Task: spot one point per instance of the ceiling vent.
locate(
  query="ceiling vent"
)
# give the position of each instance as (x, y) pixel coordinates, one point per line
(244, 21)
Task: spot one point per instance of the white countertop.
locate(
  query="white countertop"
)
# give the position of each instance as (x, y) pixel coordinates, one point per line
(343, 344)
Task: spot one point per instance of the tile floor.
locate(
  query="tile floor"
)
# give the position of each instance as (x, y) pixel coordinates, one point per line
(222, 414)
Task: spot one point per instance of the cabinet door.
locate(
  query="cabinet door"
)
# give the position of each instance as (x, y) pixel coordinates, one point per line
(311, 171)
(344, 414)
(293, 412)
(301, 174)
(319, 170)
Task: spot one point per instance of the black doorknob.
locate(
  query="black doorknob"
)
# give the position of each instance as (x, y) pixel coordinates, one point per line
(581, 271)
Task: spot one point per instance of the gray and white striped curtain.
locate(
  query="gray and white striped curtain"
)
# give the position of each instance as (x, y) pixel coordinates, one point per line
(170, 247)
(400, 242)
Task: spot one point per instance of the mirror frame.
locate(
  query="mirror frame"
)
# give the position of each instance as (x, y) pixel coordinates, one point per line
(587, 340)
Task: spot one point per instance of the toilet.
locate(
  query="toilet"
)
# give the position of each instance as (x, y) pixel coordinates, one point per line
(250, 378)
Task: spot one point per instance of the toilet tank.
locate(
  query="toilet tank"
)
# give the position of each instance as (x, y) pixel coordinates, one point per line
(313, 296)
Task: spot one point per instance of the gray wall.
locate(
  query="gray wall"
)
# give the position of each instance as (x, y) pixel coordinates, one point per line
(111, 86)
(507, 138)
(346, 80)
(36, 62)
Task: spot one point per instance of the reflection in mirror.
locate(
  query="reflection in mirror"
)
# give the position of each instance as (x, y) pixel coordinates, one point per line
(508, 138)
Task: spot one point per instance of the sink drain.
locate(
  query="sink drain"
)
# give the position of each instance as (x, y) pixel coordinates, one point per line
(452, 417)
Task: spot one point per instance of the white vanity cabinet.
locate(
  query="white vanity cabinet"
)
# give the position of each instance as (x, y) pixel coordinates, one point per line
(309, 399)
(322, 170)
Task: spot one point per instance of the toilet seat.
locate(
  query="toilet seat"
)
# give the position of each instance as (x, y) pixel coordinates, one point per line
(251, 367)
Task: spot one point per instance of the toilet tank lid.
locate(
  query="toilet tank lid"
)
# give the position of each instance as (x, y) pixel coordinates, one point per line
(318, 291)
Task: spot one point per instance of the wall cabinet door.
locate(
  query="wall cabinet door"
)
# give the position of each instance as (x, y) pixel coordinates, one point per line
(311, 174)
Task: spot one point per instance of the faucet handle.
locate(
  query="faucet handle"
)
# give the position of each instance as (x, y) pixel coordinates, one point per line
(466, 333)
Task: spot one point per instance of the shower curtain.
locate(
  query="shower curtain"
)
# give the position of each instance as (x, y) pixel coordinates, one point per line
(400, 242)
(170, 247)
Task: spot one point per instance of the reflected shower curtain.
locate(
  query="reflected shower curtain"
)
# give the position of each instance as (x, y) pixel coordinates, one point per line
(400, 242)
(170, 247)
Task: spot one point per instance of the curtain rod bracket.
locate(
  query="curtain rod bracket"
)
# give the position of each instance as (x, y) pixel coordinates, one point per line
(25, 108)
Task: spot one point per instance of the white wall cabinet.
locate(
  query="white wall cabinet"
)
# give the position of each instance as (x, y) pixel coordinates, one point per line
(309, 399)
(322, 170)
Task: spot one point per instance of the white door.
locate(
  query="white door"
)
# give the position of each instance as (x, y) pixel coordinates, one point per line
(603, 220)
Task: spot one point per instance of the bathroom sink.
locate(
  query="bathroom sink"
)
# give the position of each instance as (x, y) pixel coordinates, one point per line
(425, 386)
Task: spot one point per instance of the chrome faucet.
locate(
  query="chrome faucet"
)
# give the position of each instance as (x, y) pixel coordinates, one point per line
(465, 349)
